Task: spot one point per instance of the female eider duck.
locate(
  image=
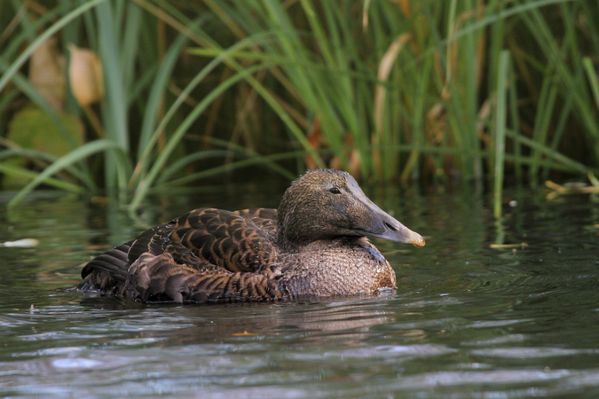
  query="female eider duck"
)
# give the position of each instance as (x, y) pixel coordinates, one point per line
(313, 245)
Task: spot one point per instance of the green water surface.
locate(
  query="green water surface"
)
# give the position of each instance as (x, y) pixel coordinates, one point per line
(467, 320)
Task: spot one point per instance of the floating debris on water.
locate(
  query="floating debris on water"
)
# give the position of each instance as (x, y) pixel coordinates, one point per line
(572, 188)
(243, 333)
(521, 245)
(23, 243)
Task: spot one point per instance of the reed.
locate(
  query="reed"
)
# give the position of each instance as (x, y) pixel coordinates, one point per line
(391, 90)
(499, 131)
(419, 74)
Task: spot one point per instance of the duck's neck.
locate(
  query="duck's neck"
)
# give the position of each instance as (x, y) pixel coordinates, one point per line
(297, 242)
(291, 237)
(290, 243)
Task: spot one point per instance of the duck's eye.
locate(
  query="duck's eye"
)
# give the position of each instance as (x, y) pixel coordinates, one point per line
(335, 190)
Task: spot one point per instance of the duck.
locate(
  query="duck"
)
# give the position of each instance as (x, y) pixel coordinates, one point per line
(314, 245)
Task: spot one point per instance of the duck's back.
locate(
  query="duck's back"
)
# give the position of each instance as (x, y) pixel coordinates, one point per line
(238, 241)
(210, 243)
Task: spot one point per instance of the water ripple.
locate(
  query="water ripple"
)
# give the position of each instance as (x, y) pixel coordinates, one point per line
(467, 320)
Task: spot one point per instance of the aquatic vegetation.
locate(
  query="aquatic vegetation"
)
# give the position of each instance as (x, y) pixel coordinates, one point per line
(391, 90)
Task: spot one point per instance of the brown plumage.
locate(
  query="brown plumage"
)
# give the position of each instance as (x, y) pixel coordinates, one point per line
(314, 245)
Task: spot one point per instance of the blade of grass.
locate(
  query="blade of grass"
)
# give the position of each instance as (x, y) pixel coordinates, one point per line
(573, 165)
(149, 143)
(179, 164)
(147, 181)
(228, 167)
(17, 171)
(592, 77)
(14, 151)
(115, 117)
(61, 163)
(161, 80)
(499, 136)
(132, 21)
(515, 123)
(248, 152)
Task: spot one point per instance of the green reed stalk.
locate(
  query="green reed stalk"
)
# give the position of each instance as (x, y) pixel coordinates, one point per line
(592, 77)
(499, 131)
(397, 92)
(67, 160)
(147, 181)
(115, 103)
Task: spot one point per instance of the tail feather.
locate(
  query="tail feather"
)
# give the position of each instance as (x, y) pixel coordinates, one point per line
(108, 271)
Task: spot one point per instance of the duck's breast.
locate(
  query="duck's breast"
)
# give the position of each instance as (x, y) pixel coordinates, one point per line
(336, 268)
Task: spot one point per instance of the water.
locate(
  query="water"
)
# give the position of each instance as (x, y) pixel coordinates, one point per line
(467, 320)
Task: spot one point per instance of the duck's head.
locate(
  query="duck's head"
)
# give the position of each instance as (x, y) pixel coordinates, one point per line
(325, 204)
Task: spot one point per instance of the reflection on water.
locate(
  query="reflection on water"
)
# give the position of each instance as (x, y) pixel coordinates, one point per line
(467, 320)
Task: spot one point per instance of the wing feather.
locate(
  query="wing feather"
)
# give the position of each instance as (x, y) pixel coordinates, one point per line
(240, 241)
(159, 278)
(206, 255)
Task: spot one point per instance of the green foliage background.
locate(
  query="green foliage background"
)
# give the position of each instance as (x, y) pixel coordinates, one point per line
(410, 90)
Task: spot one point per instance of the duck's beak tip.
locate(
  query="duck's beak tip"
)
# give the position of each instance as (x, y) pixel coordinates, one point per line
(411, 237)
(418, 242)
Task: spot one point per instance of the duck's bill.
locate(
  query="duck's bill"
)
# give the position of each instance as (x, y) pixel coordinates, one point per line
(383, 225)
(378, 223)
(401, 234)
(387, 227)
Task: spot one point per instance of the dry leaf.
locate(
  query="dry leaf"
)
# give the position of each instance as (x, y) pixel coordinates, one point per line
(46, 73)
(315, 139)
(405, 7)
(380, 93)
(384, 70)
(243, 333)
(85, 76)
